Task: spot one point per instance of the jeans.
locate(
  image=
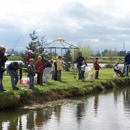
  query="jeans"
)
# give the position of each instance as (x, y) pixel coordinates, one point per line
(96, 74)
(31, 81)
(14, 78)
(1, 84)
(46, 73)
(126, 69)
(53, 74)
(82, 75)
(59, 75)
(39, 78)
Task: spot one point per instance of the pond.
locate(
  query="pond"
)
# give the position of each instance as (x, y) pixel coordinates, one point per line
(105, 111)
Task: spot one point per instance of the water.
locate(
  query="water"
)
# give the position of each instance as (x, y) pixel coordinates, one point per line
(109, 111)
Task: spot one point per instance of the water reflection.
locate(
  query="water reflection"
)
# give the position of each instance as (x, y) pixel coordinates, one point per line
(92, 114)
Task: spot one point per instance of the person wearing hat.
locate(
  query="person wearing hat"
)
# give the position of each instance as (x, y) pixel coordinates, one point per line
(12, 70)
(59, 68)
(28, 57)
(39, 70)
(117, 69)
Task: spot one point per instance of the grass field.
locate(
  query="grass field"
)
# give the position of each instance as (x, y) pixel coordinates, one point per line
(68, 80)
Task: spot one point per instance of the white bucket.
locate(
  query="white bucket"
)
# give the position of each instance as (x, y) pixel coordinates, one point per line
(87, 69)
(115, 74)
(90, 75)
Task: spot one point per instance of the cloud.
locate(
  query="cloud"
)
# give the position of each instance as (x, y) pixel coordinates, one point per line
(100, 23)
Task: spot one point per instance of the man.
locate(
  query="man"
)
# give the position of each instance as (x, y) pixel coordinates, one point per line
(126, 64)
(59, 68)
(79, 61)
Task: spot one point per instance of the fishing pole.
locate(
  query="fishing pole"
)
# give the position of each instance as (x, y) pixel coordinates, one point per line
(15, 45)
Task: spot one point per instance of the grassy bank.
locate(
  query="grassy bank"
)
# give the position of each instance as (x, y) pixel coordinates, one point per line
(55, 90)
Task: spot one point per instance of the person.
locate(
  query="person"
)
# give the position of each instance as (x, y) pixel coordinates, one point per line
(28, 56)
(55, 70)
(83, 67)
(47, 68)
(12, 70)
(117, 69)
(31, 73)
(59, 68)
(126, 64)
(3, 59)
(79, 61)
(96, 67)
(52, 69)
(39, 70)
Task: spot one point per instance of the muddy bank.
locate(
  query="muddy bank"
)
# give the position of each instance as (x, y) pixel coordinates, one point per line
(39, 97)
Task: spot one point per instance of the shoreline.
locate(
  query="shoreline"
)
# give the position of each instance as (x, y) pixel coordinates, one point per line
(16, 101)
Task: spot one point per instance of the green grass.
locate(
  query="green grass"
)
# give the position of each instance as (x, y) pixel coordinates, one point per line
(55, 90)
(67, 81)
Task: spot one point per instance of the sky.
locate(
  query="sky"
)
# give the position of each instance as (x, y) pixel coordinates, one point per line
(101, 24)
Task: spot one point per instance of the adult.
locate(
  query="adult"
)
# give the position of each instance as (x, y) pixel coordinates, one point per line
(79, 61)
(3, 59)
(12, 70)
(39, 70)
(126, 64)
(28, 57)
(59, 68)
(47, 68)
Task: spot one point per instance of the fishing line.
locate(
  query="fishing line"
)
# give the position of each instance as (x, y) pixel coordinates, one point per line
(16, 44)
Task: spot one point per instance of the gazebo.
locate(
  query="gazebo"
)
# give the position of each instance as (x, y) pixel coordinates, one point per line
(60, 46)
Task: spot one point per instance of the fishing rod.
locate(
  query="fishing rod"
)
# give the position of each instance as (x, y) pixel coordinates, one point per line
(15, 45)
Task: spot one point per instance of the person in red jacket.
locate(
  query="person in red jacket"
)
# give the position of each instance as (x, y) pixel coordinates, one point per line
(28, 57)
(96, 67)
(39, 70)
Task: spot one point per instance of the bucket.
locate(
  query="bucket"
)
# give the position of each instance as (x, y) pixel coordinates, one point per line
(90, 75)
(115, 74)
(24, 81)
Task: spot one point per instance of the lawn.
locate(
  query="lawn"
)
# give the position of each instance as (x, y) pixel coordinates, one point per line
(68, 80)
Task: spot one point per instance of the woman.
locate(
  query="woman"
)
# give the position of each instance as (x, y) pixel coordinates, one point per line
(12, 70)
(3, 59)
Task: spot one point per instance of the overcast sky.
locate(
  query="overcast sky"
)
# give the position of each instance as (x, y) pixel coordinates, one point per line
(102, 24)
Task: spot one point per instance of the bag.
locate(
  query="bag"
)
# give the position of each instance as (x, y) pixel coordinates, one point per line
(24, 81)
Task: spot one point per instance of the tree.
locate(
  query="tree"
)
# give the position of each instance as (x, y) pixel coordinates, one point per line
(36, 45)
(67, 60)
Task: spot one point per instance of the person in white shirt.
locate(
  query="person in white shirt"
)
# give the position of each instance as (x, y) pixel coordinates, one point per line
(83, 67)
(117, 69)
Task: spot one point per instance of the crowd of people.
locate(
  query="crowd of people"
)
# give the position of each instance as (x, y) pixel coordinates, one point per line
(43, 67)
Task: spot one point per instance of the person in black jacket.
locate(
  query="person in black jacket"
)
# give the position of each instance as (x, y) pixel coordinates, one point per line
(79, 61)
(31, 73)
(3, 59)
(47, 68)
(12, 70)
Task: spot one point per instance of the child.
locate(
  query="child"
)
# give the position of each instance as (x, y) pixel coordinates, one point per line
(52, 69)
(96, 67)
(117, 69)
(83, 66)
(31, 73)
(39, 70)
